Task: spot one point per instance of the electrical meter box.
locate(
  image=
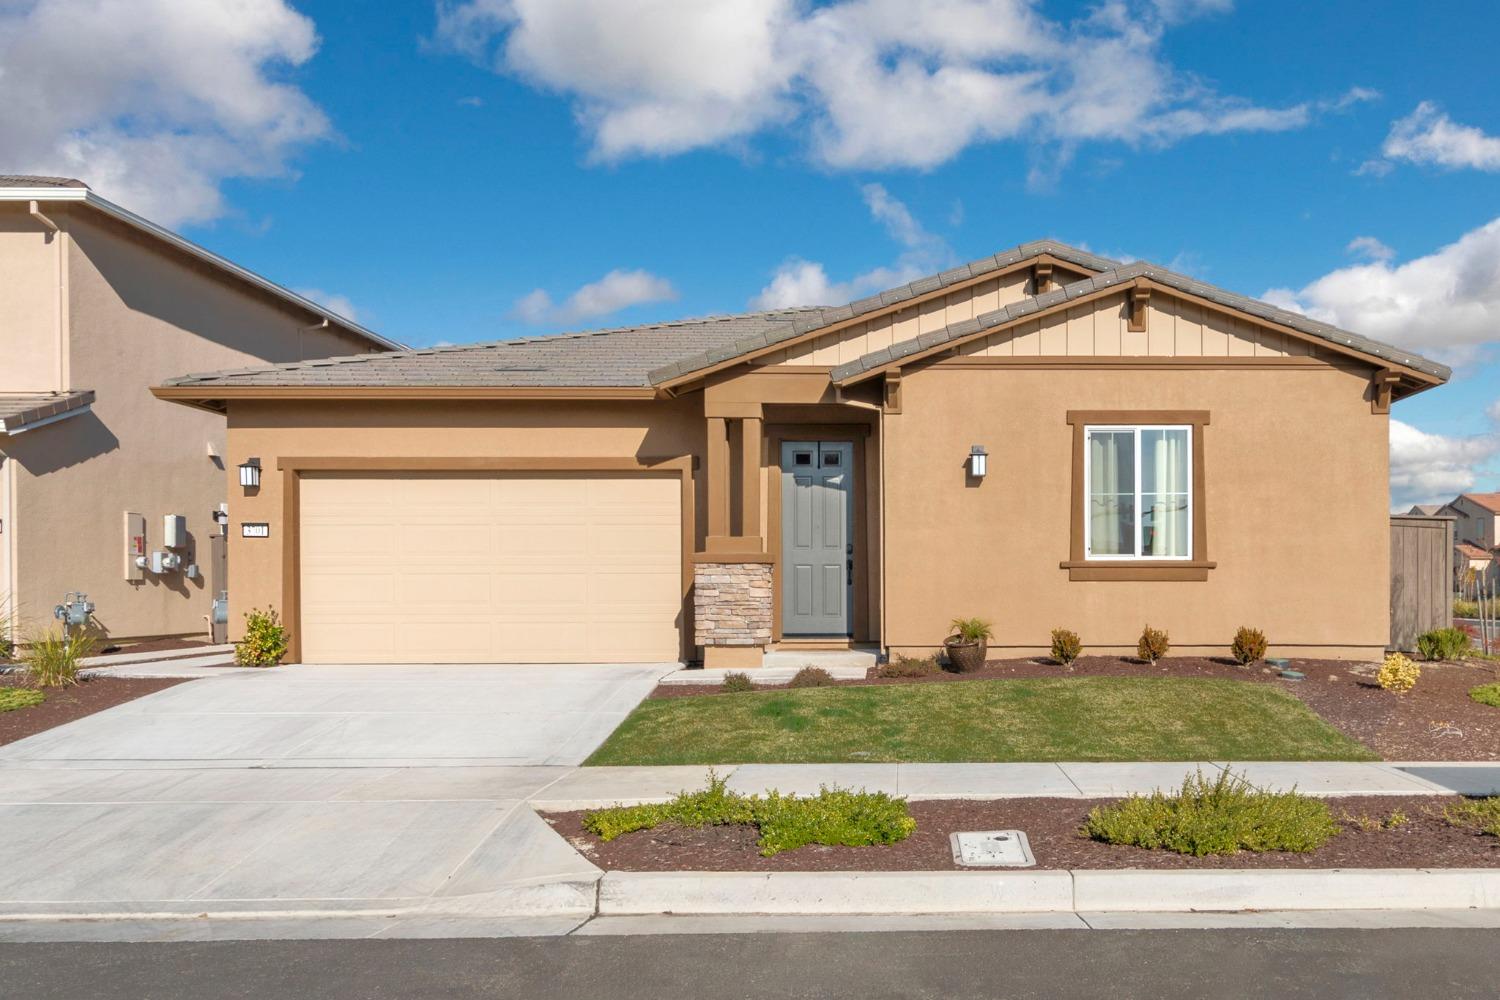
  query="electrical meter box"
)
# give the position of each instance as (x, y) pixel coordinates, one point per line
(135, 546)
(174, 531)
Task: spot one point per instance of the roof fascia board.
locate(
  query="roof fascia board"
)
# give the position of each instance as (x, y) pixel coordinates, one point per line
(30, 425)
(676, 383)
(1424, 379)
(205, 395)
(128, 217)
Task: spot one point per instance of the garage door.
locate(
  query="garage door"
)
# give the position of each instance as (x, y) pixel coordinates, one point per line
(490, 568)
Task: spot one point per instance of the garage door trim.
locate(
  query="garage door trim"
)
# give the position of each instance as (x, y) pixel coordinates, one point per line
(292, 469)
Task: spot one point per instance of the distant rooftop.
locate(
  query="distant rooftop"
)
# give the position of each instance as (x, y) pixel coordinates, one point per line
(39, 181)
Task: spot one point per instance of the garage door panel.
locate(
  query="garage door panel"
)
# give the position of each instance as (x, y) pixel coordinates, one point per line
(490, 567)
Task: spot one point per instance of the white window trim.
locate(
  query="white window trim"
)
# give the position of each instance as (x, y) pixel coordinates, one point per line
(1088, 494)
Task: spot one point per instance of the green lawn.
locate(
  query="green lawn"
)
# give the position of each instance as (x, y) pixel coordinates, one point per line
(1084, 718)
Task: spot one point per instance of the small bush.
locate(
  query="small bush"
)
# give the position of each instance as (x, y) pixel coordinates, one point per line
(972, 629)
(1153, 645)
(812, 677)
(834, 817)
(1066, 646)
(736, 682)
(1486, 694)
(1249, 646)
(1398, 674)
(910, 666)
(1224, 816)
(1370, 824)
(264, 643)
(1443, 644)
(53, 659)
(1475, 814)
(14, 698)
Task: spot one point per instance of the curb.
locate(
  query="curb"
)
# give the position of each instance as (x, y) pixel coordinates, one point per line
(1081, 891)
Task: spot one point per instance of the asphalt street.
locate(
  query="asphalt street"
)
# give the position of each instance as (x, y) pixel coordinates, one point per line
(1451, 963)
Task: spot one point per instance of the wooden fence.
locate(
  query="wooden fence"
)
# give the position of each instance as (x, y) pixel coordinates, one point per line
(1421, 577)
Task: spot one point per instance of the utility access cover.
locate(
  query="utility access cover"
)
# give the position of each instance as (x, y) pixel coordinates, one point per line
(992, 849)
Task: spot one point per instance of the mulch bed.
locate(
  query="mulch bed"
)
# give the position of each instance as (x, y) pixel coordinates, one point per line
(1435, 721)
(1051, 825)
(180, 645)
(88, 696)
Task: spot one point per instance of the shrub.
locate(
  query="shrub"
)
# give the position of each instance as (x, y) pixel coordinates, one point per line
(1486, 694)
(1470, 609)
(1249, 646)
(264, 643)
(1224, 816)
(13, 698)
(910, 666)
(1398, 674)
(812, 677)
(53, 658)
(1443, 644)
(1153, 645)
(736, 682)
(1475, 814)
(972, 629)
(1066, 646)
(834, 817)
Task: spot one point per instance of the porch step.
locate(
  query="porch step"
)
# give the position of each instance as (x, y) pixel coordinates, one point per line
(828, 659)
(763, 675)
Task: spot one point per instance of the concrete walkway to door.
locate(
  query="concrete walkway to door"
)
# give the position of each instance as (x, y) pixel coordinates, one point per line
(365, 795)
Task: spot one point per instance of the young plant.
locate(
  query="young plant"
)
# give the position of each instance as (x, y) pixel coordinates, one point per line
(1066, 646)
(1443, 644)
(13, 698)
(1475, 814)
(736, 682)
(265, 640)
(53, 658)
(910, 666)
(1153, 645)
(1398, 674)
(972, 629)
(1486, 694)
(1249, 646)
(812, 677)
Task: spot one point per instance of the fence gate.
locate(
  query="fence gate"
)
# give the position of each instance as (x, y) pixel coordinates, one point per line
(1421, 577)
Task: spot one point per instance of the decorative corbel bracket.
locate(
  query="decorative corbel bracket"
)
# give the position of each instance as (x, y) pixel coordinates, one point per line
(1041, 277)
(1382, 383)
(892, 402)
(1140, 298)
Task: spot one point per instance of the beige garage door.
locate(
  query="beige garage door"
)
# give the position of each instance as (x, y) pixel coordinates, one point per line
(491, 568)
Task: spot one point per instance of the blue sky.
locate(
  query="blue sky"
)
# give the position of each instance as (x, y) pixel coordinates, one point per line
(492, 168)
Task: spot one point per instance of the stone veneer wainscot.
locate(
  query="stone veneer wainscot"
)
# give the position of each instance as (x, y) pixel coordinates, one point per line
(732, 603)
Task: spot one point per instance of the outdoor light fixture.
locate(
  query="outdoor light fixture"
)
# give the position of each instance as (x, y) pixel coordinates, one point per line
(250, 473)
(978, 461)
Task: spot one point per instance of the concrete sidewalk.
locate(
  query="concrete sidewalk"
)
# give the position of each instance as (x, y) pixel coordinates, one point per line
(594, 787)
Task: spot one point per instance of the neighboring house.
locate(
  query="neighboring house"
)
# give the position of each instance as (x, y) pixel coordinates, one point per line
(98, 306)
(1426, 510)
(1474, 566)
(1478, 517)
(1151, 450)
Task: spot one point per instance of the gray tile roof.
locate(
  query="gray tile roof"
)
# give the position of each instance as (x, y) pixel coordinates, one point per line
(1125, 275)
(17, 409)
(620, 357)
(39, 181)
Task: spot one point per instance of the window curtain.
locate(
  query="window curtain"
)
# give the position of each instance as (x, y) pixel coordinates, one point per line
(1164, 485)
(1111, 493)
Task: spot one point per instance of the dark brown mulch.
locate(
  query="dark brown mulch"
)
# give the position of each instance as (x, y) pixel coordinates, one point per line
(1435, 721)
(1051, 825)
(88, 696)
(183, 645)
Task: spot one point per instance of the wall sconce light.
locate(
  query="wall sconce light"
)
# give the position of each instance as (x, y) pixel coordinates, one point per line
(250, 473)
(978, 461)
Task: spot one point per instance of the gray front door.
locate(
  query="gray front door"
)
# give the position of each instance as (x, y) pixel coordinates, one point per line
(817, 537)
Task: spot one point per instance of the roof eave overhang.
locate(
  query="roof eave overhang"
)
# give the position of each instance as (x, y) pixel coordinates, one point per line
(12, 427)
(688, 380)
(215, 398)
(1413, 380)
(109, 208)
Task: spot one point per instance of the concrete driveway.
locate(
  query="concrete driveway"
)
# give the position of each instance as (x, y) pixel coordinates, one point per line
(336, 790)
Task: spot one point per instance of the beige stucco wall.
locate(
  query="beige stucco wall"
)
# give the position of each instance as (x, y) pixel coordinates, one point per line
(1285, 446)
(419, 429)
(30, 306)
(138, 314)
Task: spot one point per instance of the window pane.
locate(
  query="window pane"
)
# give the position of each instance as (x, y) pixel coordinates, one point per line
(1164, 461)
(1164, 525)
(1112, 493)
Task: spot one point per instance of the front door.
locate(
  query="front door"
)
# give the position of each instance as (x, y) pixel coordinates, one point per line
(817, 537)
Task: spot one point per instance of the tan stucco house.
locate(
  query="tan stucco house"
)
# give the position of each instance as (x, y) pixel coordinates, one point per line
(1041, 438)
(98, 306)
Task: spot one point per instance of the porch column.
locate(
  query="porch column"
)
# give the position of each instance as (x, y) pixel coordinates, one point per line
(718, 477)
(732, 593)
(750, 478)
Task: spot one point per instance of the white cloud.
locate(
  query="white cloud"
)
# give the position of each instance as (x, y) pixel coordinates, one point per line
(155, 102)
(799, 282)
(331, 301)
(617, 290)
(1428, 136)
(866, 83)
(1447, 303)
(1433, 468)
(1369, 248)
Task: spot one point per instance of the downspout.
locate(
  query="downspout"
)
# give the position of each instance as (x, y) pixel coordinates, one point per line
(62, 373)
